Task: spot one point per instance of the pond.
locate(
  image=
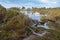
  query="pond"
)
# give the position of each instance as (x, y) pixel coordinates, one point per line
(35, 16)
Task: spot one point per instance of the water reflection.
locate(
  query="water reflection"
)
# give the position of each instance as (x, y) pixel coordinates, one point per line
(44, 26)
(35, 16)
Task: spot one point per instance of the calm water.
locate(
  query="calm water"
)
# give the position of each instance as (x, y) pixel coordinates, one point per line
(35, 16)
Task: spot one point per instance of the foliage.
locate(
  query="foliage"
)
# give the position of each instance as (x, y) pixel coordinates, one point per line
(14, 26)
(54, 32)
(15, 8)
(23, 7)
(16, 23)
(2, 13)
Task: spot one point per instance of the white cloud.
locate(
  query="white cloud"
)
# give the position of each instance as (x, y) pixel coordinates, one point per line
(48, 1)
(30, 5)
(39, 3)
(44, 1)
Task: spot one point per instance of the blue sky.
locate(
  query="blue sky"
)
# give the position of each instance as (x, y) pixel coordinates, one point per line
(30, 3)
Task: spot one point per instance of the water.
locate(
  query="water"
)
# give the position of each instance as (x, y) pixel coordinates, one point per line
(44, 26)
(35, 16)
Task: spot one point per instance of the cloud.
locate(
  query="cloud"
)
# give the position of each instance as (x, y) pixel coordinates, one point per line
(18, 3)
(48, 1)
(44, 1)
(30, 3)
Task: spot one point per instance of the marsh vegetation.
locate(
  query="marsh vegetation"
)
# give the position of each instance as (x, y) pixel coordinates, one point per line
(27, 24)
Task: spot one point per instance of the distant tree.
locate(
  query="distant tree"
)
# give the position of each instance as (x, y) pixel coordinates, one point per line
(23, 7)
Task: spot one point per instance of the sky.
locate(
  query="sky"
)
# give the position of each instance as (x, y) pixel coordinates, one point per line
(30, 3)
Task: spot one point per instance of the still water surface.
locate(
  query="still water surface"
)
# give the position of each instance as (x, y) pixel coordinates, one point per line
(36, 16)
